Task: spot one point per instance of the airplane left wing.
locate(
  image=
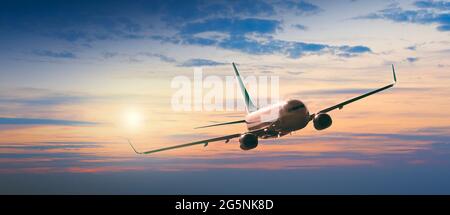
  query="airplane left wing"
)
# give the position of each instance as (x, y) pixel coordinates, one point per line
(204, 142)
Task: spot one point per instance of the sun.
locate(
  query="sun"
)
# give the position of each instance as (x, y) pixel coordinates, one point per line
(133, 119)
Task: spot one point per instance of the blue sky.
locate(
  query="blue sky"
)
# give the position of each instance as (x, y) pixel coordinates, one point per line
(71, 71)
(63, 31)
(79, 26)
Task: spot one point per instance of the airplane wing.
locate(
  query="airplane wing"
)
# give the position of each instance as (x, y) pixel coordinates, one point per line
(204, 142)
(342, 104)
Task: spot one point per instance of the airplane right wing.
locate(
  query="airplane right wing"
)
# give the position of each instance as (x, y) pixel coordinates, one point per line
(204, 142)
(342, 104)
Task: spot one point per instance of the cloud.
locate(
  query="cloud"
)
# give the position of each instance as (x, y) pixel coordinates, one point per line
(109, 20)
(174, 12)
(108, 55)
(53, 54)
(253, 36)
(300, 27)
(294, 73)
(412, 59)
(240, 21)
(289, 48)
(51, 145)
(45, 100)
(236, 33)
(81, 23)
(38, 121)
(348, 148)
(354, 49)
(419, 16)
(232, 26)
(351, 51)
(249, 7)
(444, 28)
(71, 35)
(439, 5)
(302, 7)
(426, 135)
(412, 48)
(161, 57)
(137, 57)
(297, 49)
(200, 62)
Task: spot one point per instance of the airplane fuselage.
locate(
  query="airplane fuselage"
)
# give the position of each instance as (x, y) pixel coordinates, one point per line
(279, 119)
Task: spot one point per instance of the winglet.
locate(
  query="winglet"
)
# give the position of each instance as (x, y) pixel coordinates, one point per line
(393, 73)
(133, 147)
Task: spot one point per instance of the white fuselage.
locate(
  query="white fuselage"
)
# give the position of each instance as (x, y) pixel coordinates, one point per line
(278, 119)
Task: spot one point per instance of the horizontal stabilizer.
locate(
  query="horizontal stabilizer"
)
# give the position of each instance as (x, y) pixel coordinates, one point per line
(224, 123)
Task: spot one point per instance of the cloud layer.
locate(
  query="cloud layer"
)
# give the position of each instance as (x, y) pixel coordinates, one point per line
(237, 26)
(37, 121)
(427, 12)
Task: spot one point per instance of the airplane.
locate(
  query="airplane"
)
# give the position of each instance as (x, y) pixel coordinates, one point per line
(273, 121)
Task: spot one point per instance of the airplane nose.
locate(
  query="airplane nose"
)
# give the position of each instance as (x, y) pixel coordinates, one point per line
(294, 105)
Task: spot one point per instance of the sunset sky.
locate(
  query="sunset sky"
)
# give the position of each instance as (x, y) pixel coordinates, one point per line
(79, 78)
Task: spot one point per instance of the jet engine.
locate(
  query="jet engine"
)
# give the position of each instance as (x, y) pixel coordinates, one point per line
(322, 121)
(248, 141)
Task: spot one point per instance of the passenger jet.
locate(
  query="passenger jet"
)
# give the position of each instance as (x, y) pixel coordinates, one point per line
(273, 121)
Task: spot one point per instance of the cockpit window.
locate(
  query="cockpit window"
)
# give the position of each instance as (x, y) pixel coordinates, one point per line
(297, 107)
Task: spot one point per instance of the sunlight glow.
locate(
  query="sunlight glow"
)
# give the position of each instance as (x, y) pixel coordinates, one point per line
(133, 119)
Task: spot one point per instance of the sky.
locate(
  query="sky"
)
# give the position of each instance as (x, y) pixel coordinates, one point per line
(78, 78)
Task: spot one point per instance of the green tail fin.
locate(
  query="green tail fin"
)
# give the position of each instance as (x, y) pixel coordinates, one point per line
(248, 101)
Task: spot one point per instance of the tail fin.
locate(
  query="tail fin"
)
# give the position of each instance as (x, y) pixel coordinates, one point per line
(248, 101)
